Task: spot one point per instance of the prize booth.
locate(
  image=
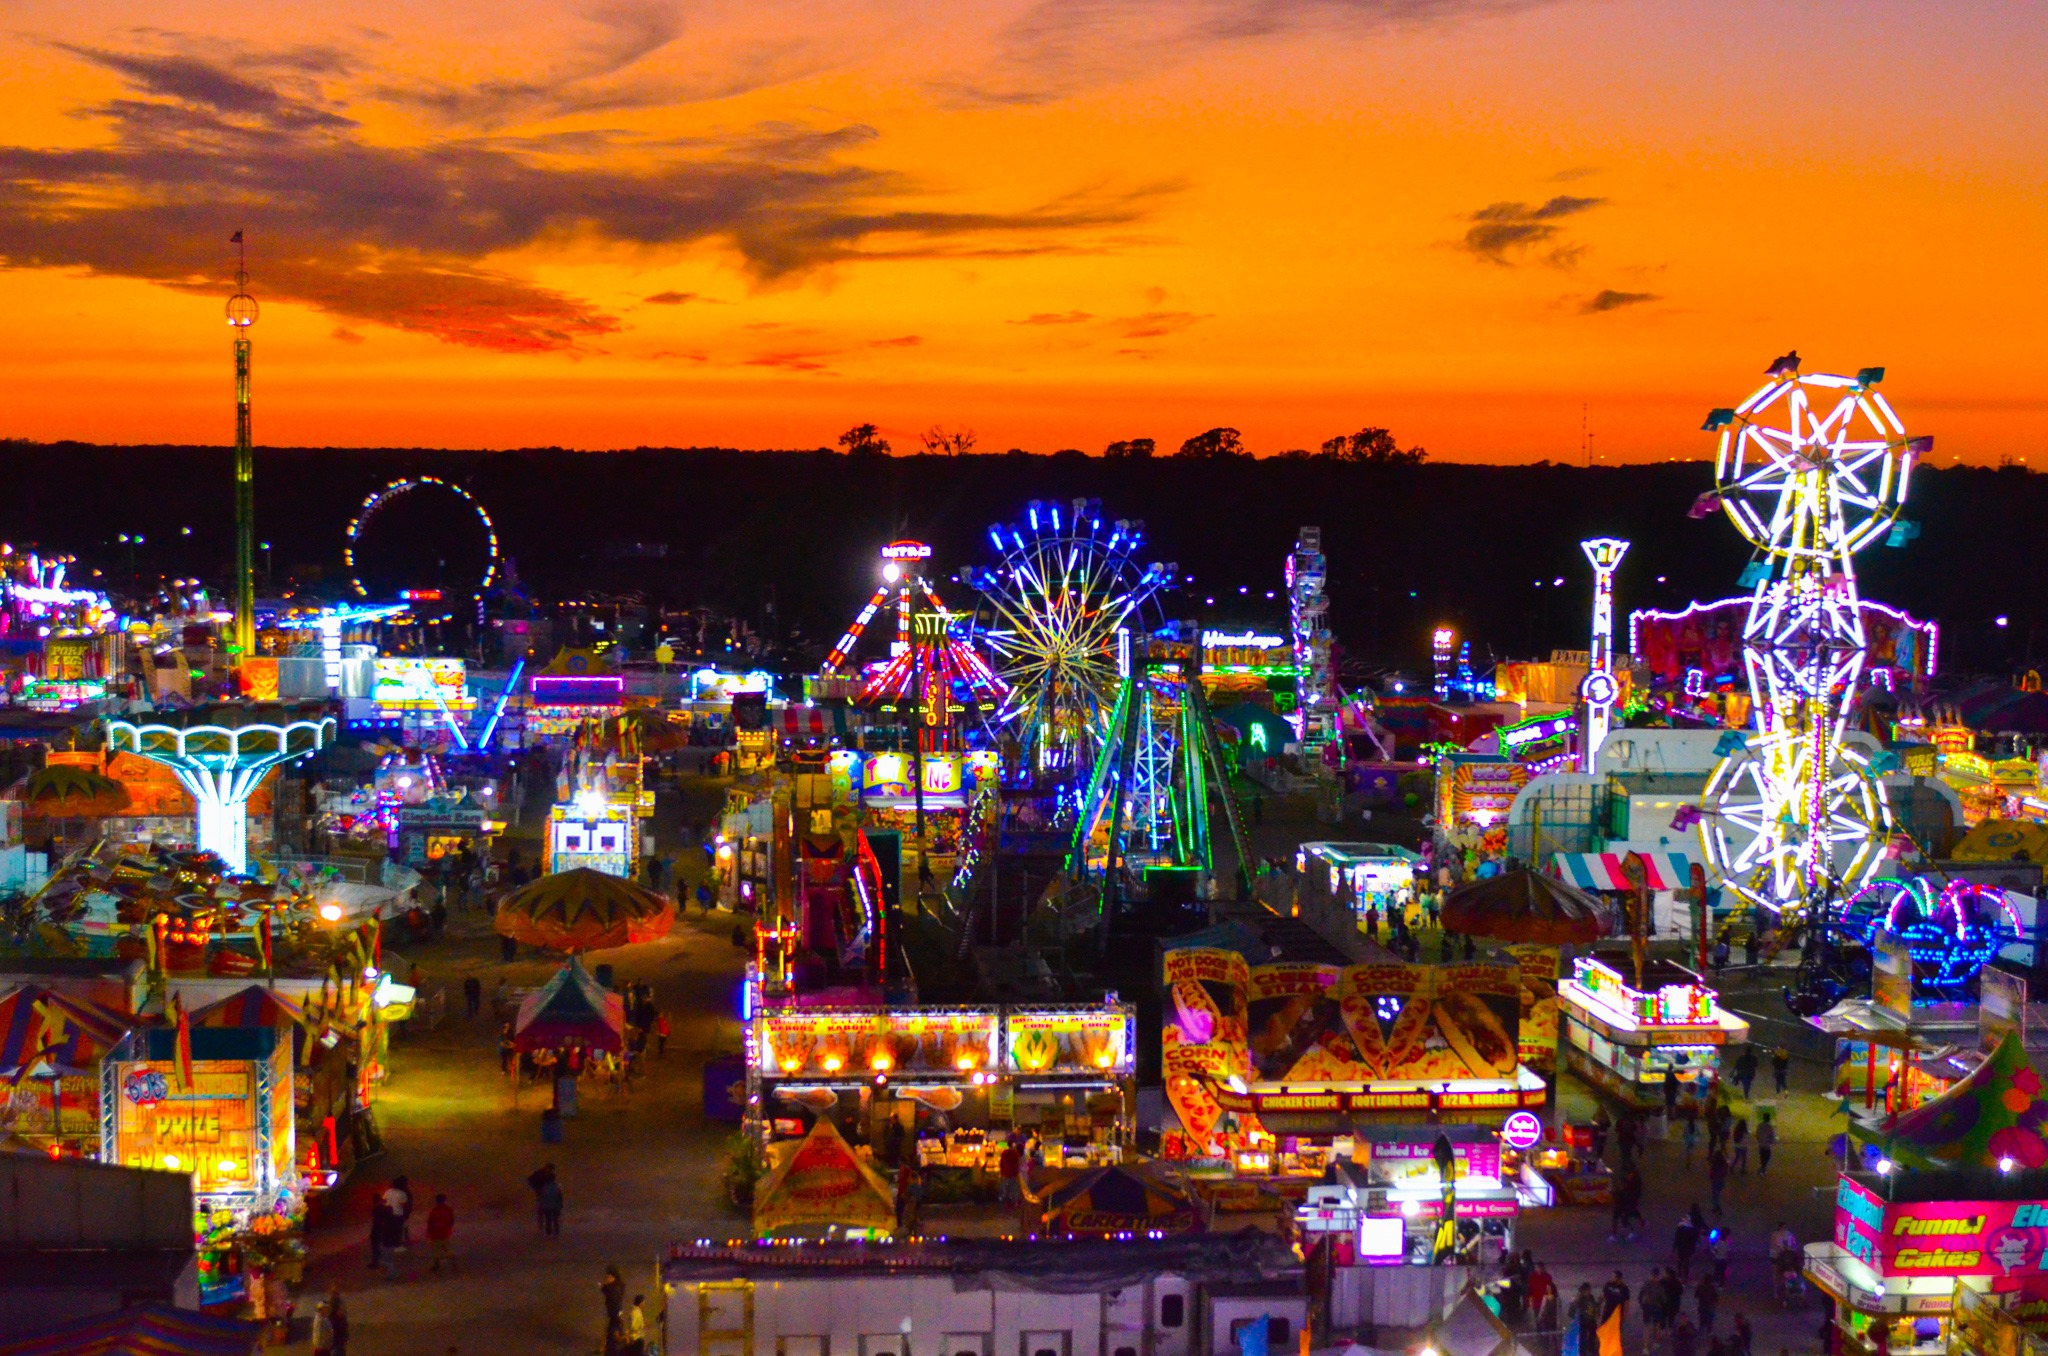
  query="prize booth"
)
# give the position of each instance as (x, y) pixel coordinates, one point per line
(224, 1114)
(1628, 1042)
(1381, 1205)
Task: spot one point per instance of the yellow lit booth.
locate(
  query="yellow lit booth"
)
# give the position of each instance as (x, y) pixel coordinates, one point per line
(229, 1123)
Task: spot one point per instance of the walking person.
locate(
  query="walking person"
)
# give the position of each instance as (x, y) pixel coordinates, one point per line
(380, 1231)
(441, 1234)
(1717, 1175)
(613, 1289)
(323, 1331)
(1781, 1066)
(551, 1208)
(472, 996)
(660, 1034)
(1738, 1141)
(1745, 1070)
(539, 1180)
(1685, 1240)
(1766, 1141)
(337, 1314)
(1692, 1139)
(1707, 1296)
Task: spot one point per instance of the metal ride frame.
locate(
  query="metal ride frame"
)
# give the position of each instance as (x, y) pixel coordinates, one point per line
(367, 510)
(221, 765)
(1061, 590)
(1792, 816)
(1150, 789)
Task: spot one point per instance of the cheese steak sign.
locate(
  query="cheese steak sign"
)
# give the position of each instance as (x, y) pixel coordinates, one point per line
(2006, 1240)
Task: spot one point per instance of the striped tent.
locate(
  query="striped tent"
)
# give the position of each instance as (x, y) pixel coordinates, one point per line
(584, 910)
(571, 1007)
(253, 1006)
(1602, 870)
(152, 1330)
(43, 1031)
(816, 721)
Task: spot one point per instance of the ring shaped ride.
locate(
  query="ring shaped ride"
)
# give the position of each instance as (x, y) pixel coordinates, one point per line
(220, 754)
(366, 514)
(1810, 469)
(1062, 587)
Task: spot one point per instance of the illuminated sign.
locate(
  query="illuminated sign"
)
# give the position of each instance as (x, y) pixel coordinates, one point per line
(2006, 1240)
(588, 690)
(1241, 640)
(1095, 1041)
(413, 683)
(1523, 1130)
(1672, 1005)
(906, 550)
(864, 1042)
(1535, 730)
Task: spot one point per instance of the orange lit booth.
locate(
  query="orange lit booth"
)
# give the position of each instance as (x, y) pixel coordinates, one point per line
(952, 1085)
(224, 1115)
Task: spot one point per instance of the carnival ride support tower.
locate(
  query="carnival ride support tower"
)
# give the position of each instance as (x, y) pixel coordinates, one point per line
(1598, 689)
(1810, 469)
(241, 313)
(1316, 703)
(221, 754)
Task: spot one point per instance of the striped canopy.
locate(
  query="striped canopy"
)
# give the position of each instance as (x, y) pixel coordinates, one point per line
(584, 910)
(1602, 870)
(152, 1330)
(1117, 1200)
(253, 1006)
(42, 1029)
(571, 1007)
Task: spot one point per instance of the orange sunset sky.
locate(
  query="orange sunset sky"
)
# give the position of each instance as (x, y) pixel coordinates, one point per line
(1052, 222)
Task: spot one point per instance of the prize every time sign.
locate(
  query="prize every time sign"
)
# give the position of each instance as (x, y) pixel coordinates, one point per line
(2005, 1240)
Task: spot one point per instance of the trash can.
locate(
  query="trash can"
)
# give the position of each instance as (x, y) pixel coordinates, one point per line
(603, 975)
(550, 1126)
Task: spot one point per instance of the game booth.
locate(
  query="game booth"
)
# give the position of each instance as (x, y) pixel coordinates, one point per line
(1272, 1070)
(1359, 876)
(1380, 1204)
(952, 1086)
(1629, 1041)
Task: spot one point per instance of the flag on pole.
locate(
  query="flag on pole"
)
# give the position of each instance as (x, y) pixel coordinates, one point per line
(1610, 1334)
(183, 1053)
(235, 239)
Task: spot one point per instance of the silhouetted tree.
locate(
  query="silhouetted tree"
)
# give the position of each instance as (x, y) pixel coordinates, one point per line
(939, 443)
(1216, 443)
(864, 440)
(1372, 447)
(1131, 448)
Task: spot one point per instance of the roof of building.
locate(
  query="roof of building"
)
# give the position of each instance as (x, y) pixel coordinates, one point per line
(1062, 1266)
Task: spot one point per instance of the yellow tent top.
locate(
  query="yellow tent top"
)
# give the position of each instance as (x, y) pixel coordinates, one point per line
(2003, 840)
(821, 1182)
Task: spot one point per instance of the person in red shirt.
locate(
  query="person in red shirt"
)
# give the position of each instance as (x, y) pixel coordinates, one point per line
(441, 1234)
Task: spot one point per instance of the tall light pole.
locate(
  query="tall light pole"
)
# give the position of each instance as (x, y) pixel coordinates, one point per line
(241, 312)
(1599, 689)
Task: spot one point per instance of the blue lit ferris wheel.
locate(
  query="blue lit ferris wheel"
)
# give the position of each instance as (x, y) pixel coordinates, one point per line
(1064, 583)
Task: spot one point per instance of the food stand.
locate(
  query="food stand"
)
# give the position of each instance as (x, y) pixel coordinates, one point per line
(1359, 876)
(1381, 1206)
(1629, 1041)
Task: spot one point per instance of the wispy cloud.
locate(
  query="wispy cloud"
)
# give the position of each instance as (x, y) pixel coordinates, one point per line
(1155, 324)
(1059, 47)
(1507, 233)
(900, 341)
(1055, 318)
(417, 236)
(1607, 299)
(669, 298)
